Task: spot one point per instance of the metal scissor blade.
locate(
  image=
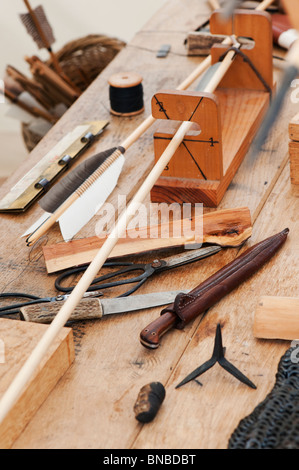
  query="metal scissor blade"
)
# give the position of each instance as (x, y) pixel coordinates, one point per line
(190, 256)
(92, 294)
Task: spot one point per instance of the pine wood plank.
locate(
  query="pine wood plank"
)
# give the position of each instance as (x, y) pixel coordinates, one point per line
(294, 153)
(18, 339)
(277, 318)
(294, 128)
(226, 228)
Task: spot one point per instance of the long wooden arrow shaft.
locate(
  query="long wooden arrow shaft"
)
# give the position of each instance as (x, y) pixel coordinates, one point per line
(22, 378)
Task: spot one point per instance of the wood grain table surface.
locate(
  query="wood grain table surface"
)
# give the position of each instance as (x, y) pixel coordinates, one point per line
(92, 405)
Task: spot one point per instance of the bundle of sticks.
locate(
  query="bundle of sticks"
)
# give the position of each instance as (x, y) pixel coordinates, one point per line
(48, 88)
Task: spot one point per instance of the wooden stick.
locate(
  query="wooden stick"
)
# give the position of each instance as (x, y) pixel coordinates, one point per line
(16, 387)
(277, 318)
(214, 4)
(33, 110)
(264, 5)
(43, 72)
(42, 35)
(30, 85)
(48, 47)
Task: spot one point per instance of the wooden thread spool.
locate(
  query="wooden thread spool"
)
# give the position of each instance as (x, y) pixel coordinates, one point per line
(126, 94)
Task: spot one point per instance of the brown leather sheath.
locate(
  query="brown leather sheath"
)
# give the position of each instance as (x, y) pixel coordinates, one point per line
(188, 306)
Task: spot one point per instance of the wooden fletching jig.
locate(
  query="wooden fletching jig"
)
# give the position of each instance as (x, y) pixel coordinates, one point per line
(134, 136)
(223, 122)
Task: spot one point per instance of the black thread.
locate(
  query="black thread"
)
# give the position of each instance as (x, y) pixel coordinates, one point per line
(126, 100)
(250, 63)
(202, 173)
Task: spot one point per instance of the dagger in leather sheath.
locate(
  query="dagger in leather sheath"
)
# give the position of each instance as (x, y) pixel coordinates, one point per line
(186, 307)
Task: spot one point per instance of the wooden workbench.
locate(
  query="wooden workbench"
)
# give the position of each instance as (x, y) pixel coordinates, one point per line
(92, 405)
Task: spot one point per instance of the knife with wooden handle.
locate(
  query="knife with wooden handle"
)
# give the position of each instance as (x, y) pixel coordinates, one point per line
(91, 309)
(187, 307)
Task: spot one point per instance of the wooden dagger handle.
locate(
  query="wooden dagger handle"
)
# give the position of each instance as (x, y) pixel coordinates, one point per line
(150, 336)
(88, 309)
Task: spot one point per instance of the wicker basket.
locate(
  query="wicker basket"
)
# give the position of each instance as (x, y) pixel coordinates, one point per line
(82, 60)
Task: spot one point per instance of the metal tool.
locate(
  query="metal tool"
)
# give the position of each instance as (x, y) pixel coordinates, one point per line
(34, 300)
(217, 356)
(59, 159)
(91, 309)
(147, 270)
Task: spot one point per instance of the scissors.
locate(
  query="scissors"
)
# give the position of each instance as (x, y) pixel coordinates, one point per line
(147, 270)
(33, 300)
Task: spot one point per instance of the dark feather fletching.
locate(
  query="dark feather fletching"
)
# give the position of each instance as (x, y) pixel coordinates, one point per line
(29, 24)
(62, 190)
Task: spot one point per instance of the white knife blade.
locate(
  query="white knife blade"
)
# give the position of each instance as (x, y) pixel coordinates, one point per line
(138, 302)
(95, 308)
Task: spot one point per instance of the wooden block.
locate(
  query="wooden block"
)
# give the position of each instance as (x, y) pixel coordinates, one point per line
(17, 341)
(294, 128)
(294, 162)
(277, 318)
(294, 154)
(200, 43)
(183, 190)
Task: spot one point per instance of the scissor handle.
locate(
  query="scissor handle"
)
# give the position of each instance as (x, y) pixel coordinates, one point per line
(12, 309)
(16, 295)
(98, 283)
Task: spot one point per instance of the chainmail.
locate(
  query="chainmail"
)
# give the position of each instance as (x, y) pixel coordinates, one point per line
(274, 423)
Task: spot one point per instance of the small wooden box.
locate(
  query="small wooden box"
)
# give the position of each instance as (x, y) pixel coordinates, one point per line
(17, 340)
(294, 153)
